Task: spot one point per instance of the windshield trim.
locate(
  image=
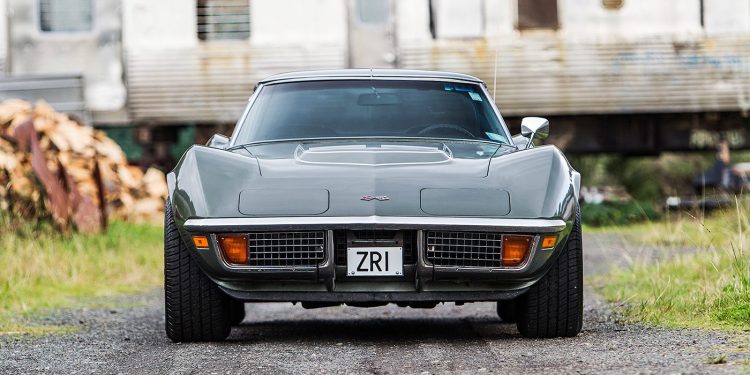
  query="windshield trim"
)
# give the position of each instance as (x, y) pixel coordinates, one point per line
(372, 78)
(493, 105)
(245, 113)
(373, 138)
(259, 88)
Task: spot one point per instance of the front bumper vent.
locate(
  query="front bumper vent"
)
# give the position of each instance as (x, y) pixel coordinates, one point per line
(280, 249)
(464, 249)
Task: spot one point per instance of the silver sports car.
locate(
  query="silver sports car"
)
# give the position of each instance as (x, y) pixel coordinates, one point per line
(367, 187)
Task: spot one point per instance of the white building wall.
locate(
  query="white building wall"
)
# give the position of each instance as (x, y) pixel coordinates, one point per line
(3, 35)
(412, 21)
(172, 23)
(161, 23)
(589, 19)
(726, 17)
(455, 19)
(175, 77)
(95, 54)
(500, 18)
(631, 53)
(298, 22)
(458, 18)
(579, 19)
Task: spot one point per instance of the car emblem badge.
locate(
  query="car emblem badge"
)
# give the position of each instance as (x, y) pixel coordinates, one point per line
(375, 198)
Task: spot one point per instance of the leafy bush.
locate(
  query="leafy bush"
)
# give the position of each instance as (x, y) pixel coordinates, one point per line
(607, 214)
(649, 179)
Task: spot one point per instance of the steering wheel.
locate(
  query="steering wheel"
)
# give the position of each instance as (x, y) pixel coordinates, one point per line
(455, 128)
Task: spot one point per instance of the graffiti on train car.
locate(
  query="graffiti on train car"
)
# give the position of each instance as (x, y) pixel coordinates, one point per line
(693, 60)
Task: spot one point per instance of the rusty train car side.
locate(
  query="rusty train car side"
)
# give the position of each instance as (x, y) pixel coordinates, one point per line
(667, 75)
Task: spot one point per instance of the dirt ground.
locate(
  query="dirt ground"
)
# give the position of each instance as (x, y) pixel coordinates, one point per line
(282, 338)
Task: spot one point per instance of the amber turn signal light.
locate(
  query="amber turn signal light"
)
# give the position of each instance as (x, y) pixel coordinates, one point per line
(234, 248)
(515, 249)
(549, 242)
(200, 242)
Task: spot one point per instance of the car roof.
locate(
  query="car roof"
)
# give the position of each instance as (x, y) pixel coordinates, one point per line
(309, 75)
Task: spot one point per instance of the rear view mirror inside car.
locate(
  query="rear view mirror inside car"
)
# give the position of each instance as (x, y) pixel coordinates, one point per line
(378, 99)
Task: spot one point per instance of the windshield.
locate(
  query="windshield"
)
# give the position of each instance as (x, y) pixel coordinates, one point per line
(371, 108)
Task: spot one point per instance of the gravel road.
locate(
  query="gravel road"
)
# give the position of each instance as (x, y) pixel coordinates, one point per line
(281, 338)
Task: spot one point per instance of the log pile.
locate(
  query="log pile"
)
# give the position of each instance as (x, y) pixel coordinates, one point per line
(52, 166)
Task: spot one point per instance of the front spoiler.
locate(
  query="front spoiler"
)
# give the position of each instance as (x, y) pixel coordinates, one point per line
(348, 297)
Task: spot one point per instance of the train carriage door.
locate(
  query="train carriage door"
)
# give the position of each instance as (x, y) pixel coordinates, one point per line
(372, 34)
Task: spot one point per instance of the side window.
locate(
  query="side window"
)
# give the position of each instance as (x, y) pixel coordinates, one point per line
(223, 19)
(66, 15)
(456, 18)
(537, 14)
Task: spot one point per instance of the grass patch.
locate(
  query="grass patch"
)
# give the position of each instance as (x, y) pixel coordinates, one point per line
(44, 269)
(704, 281)
(717, 359)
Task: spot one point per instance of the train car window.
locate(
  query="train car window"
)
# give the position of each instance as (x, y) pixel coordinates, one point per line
(537, 14)
(66, 15)
(456, 19)
(223, 19)
(373, 11)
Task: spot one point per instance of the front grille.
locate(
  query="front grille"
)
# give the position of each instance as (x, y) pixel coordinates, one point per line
(410, 247)
(286, 248)
(464, 249)
(374, 234)
(340, 243)
(344, 239)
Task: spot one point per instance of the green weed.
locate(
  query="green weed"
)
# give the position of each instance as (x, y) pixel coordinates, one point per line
(705, 282)
(44, 269)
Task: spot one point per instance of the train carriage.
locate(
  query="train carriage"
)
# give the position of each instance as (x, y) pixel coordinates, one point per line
(673, 75)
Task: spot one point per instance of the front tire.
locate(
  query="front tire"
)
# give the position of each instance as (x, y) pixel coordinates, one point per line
(553, 307)
(195, 309)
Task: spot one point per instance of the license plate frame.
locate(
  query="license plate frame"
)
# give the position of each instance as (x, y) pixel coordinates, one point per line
(361, 261)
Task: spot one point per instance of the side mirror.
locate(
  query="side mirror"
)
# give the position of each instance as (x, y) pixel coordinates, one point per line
(533, 128)
(218, 141)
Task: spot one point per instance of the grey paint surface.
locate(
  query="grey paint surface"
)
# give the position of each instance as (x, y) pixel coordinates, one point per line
(283, 201)
(465, 202)
(463, 178)
(539, 180)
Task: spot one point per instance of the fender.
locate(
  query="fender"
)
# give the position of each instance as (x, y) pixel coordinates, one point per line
(541, 183)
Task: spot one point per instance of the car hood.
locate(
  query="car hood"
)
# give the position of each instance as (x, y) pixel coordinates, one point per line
(373, 178)
(374, 159)
(355, 178)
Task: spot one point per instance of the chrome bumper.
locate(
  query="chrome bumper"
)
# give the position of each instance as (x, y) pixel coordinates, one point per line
(375, 222)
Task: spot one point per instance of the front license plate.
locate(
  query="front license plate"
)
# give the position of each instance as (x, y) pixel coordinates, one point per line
(374, 261)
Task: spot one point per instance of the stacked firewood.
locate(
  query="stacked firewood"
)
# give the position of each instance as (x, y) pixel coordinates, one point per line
(52, 166)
